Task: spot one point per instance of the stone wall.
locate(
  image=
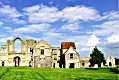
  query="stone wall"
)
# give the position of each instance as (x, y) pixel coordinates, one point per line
(42, 62)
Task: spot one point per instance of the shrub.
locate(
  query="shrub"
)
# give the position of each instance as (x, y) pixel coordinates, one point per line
(116, 70)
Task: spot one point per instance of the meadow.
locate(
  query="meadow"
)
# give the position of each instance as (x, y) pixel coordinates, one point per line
(28, 73)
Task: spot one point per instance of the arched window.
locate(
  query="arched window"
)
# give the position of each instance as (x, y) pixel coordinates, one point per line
(71, 56)
(17, 46)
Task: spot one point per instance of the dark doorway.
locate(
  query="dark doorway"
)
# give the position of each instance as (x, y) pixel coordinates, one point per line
(17, 61)
(29, 63)
(2, 63)
(110, 64)
(71, 65)
(83, 64)
(54, 65)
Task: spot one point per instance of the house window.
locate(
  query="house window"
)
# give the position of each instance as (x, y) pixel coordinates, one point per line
(71, 56)
(42, 51)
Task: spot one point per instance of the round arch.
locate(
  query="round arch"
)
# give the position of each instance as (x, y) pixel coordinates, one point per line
(18, 45)
(17, 60)
(17, 38)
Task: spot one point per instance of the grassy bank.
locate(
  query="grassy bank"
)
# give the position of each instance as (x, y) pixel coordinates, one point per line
(27, 73)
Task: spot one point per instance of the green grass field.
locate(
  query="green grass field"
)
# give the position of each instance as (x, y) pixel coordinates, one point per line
(27, 73)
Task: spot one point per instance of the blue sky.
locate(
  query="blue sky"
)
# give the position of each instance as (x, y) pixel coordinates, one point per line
(88, 23)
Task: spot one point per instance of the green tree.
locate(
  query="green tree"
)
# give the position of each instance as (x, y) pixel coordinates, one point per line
(97, 57)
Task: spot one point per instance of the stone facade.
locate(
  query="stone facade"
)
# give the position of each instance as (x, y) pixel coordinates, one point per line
(110, 61)
(43, 55)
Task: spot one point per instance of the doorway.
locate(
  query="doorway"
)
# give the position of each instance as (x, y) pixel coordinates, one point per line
(83, 64)
(110, 64)
(54, 65)
(16, 61)
(71, 65)
(2, 63)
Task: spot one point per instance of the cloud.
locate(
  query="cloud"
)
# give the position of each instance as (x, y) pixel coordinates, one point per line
(41, 13)
(32, 28)
(112, 15)
(111, 49)
(80, 13)
(93, 41)
(53, 34)
(1, 24)
(9, 13)
(51, 2)
(71, 27)
(32, 9)
(113, 38)
(107, 28)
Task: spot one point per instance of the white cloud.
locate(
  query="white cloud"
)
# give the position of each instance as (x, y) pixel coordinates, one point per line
(51, 2)
(53, 34)
(80, 13)
(1, 24)
(7, 28)
(90, 49)
(9, 13)
(31, 28)
(107, 28)
(112, 15)
(17, 21)
(71, 27)
(41, 13)
(113, 39)
(32, 8)
(93, 41)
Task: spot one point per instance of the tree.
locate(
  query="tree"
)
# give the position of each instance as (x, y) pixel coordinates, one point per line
(97, 57)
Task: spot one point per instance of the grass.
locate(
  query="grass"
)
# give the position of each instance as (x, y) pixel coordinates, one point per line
(27, 73)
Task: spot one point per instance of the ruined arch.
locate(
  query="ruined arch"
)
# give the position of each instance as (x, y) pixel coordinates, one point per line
(18, 45)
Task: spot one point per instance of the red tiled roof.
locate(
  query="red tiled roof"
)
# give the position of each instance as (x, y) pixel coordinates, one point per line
(67, 45)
